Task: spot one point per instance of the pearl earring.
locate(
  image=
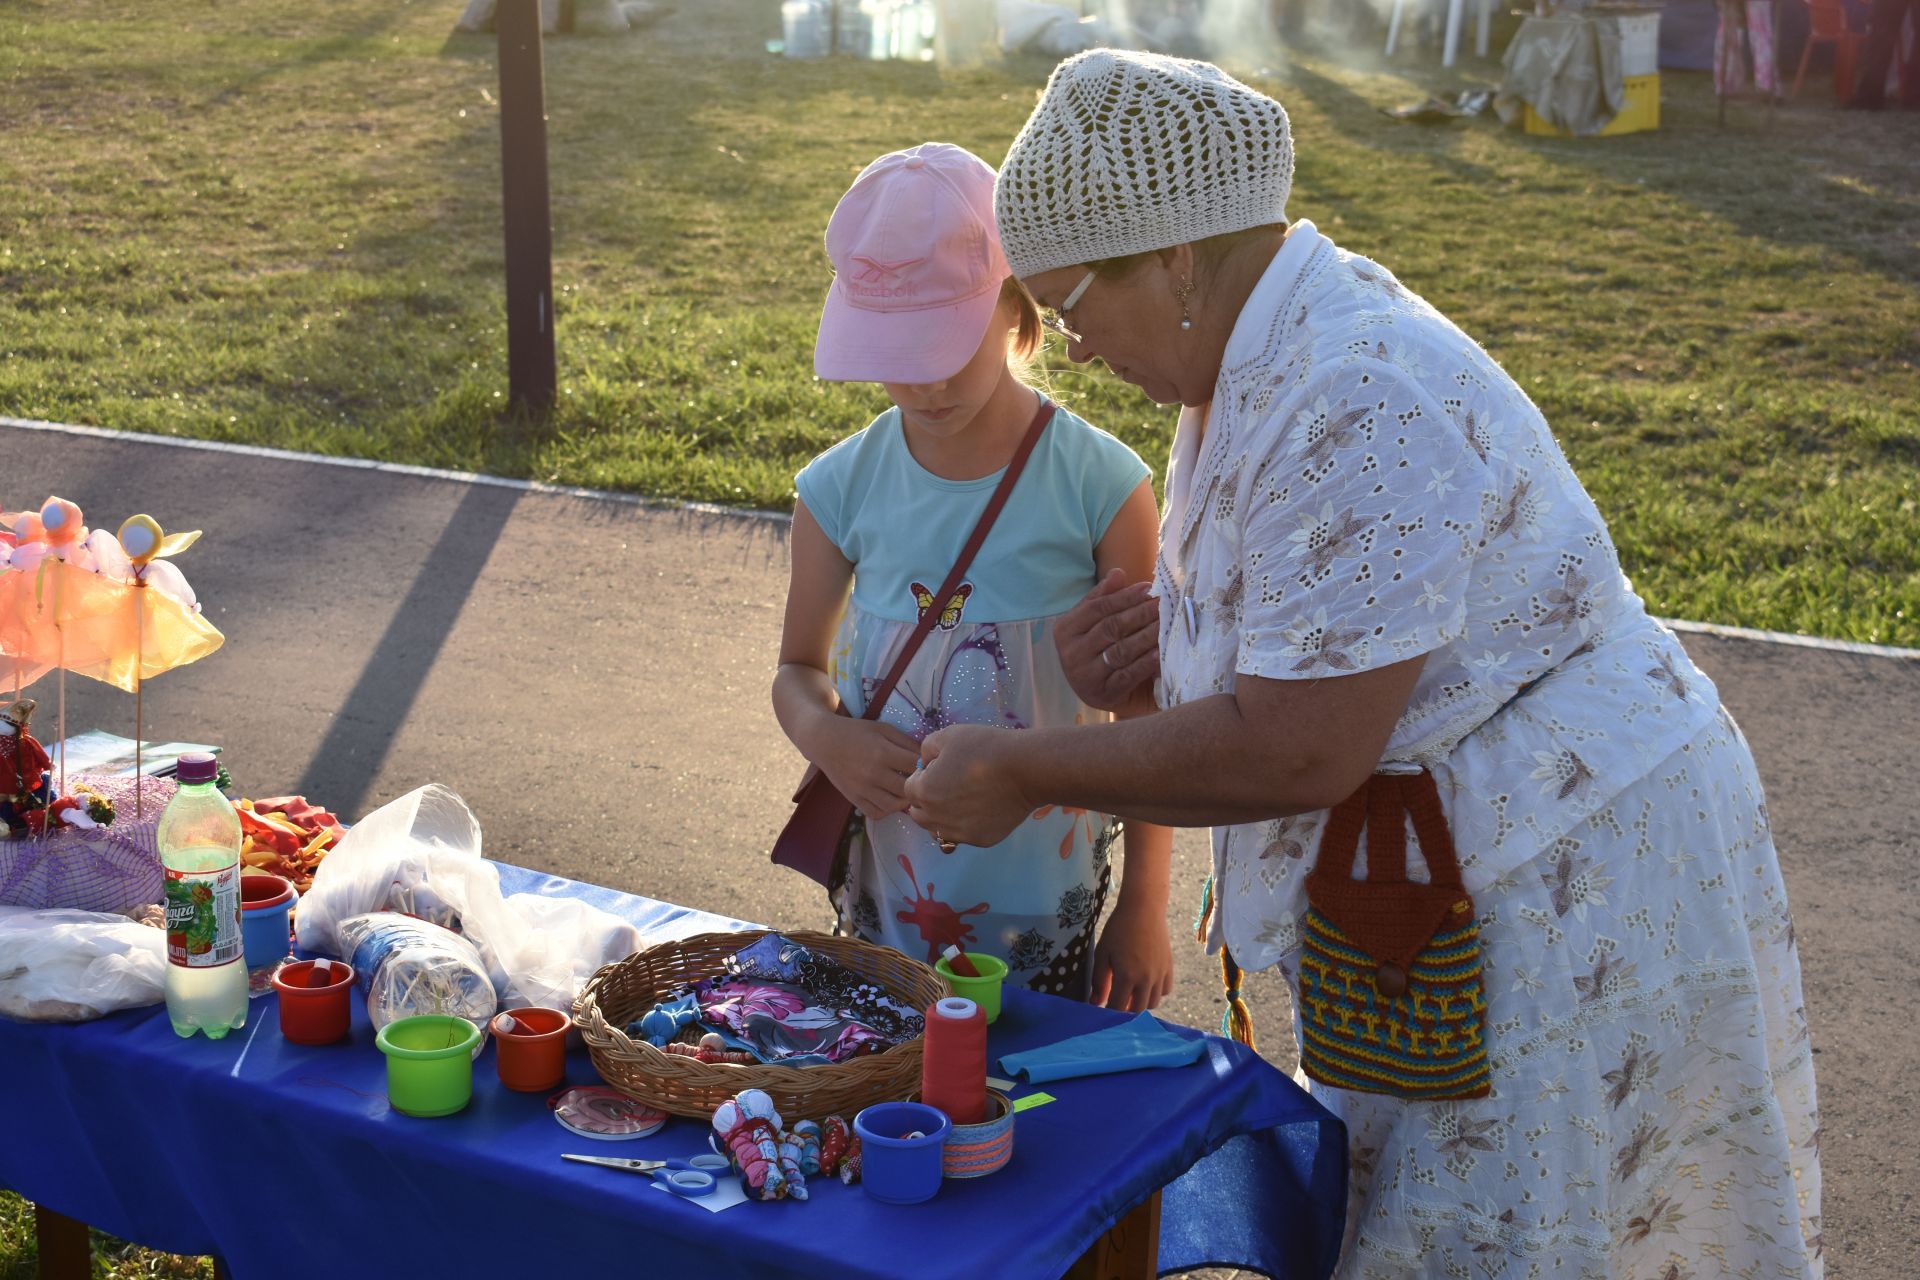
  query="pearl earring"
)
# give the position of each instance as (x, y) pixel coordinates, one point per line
(1183, 292)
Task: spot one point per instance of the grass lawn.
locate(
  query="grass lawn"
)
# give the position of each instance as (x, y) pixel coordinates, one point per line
(112, 1259)
(280, 224)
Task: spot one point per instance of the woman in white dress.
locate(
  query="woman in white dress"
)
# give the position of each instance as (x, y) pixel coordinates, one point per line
(1376, 561)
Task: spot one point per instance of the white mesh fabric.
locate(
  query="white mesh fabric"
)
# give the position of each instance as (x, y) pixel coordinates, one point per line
(1135, 151)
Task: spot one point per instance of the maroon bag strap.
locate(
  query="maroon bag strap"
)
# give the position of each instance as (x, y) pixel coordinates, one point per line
(877, 701)
(1386, 831)
(1430, 824)
(1382, 806)
(1341, 839)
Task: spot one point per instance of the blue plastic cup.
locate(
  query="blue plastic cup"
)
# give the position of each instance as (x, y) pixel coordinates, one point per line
(902, 1150)
(265, 903)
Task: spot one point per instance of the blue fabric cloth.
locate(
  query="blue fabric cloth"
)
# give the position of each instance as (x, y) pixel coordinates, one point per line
(901, 524)
(1136, 1045)
(289, 1163)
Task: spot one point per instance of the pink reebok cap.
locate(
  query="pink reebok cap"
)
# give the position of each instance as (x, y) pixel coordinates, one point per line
(917, 268)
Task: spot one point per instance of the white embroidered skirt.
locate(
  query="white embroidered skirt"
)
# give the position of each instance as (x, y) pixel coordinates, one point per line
(1653, 1114)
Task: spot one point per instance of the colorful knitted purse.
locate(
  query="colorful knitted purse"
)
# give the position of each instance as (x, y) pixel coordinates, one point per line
(1391, 996)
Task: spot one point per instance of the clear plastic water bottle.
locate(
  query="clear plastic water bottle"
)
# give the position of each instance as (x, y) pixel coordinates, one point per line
(199, 838)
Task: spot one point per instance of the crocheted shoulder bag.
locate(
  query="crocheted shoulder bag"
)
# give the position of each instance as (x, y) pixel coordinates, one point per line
(1391, 995)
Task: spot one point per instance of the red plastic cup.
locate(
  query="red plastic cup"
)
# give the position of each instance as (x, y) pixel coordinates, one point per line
(260, 889)
(532, 1058)
(314, 1015)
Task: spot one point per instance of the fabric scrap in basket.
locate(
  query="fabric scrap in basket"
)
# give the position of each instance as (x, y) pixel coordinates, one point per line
(786, 1004)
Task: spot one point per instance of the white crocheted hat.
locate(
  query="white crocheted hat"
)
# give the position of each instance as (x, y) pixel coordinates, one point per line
(1129, 152)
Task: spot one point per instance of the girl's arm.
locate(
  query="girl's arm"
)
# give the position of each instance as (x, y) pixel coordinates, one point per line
(868, 761)
(1133, 961)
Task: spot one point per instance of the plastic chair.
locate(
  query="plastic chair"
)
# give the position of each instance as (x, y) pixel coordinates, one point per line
(1827, 24)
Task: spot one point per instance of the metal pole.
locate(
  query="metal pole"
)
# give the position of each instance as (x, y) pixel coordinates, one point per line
(523, 190)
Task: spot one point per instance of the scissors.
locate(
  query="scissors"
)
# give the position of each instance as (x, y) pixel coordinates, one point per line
(690, 1177)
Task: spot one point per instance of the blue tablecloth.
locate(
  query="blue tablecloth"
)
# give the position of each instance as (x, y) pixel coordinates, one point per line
(288, 1162)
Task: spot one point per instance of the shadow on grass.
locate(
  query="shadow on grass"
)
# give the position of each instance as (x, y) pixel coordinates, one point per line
(314, 52)
(1803, 175)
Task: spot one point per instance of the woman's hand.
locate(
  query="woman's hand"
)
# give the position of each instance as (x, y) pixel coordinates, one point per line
(869, 762)
(968, 792)
(1133, 961)
(1109, 643)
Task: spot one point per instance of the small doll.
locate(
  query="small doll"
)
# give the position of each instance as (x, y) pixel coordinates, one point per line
(790, 1156)
(850, 1163)
(750, 1128)
(662, 1023)
(72, 811)
(25, 789)
(807, 1134)
(835, 1137)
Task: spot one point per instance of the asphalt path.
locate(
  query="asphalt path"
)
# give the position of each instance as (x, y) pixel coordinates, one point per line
(592, 675)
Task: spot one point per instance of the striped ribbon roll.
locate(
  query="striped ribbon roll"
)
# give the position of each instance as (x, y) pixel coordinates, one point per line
(975, 1150)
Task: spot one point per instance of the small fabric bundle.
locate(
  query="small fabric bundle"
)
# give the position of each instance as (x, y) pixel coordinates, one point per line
(1391, 995)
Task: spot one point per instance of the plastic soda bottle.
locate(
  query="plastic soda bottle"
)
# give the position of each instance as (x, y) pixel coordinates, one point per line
(199, 838)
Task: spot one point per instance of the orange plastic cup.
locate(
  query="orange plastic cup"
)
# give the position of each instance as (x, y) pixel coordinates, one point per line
(532, 1057)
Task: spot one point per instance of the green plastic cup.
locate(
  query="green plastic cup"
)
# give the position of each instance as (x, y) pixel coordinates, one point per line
(983, 990)
(429, 1063)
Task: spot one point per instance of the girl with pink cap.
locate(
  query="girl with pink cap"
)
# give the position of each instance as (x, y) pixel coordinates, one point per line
(923, 303)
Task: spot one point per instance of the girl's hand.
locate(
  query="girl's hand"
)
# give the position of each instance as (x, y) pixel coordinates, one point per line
(1133, 961)
(967, 793)
(869, 762)
(1109, 643)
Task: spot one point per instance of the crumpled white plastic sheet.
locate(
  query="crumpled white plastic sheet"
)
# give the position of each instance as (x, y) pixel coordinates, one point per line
(420, 854)
(72, 966)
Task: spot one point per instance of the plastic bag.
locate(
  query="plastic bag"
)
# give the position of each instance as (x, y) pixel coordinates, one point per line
(407, 967)
(73, 966)
(1057, 30)
(420, 855)
(545, 948)
(385, 863)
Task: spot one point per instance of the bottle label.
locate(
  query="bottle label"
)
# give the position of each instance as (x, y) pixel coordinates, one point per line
(203, 917)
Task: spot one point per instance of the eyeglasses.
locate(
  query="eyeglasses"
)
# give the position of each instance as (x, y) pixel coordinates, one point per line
(1057, 320)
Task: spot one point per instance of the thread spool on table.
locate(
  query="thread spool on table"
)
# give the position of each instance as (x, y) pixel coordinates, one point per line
(953, 1063)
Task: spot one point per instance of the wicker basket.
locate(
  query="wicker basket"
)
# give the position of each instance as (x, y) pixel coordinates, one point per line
(623, 991)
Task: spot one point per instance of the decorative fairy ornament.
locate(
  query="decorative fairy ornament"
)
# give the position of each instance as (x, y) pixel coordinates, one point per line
(110, 608)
